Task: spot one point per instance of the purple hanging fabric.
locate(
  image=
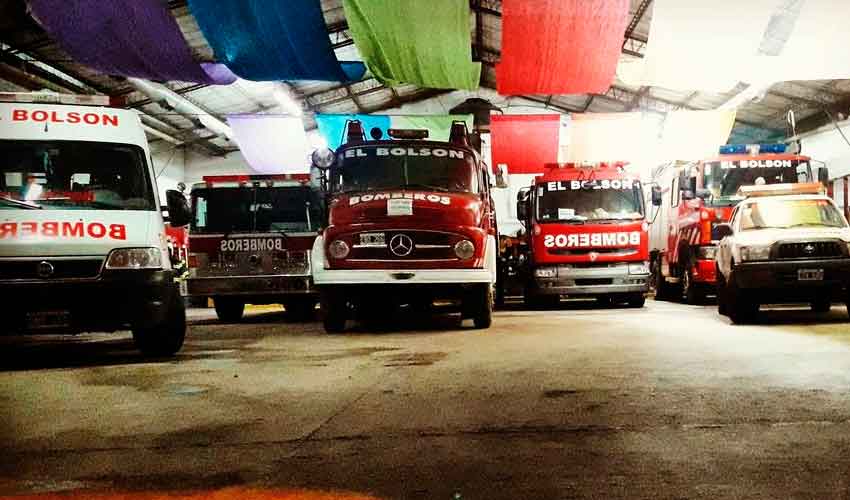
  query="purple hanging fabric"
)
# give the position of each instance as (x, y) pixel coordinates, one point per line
(136, 38)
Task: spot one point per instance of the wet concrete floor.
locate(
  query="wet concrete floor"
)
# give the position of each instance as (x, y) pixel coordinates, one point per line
(669, 401)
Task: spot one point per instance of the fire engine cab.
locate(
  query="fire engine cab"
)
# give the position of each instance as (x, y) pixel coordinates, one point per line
(587, 235)
(410, 221)
(692, 198)
(82, 235)
(250, 241)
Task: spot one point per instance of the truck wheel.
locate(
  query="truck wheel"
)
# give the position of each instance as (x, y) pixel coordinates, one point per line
(636, 300)
(301, 308)
(166, 338)
(741, 309)
(663, 290)
(694, 294)
(481, 309)
(722, 296)
(228, 310)
(334, 312)
(821, 305)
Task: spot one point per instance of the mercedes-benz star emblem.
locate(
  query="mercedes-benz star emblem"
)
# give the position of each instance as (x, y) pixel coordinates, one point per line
(401, 245)
(809, 249)
(44, 269)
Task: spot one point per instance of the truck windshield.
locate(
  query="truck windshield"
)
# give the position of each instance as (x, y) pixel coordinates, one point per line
(723, 179)
(790, 213)
(578, 201)
(437, 168)
(62, 175)
(256, 209)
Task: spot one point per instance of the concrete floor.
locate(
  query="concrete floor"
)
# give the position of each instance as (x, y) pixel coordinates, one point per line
(670, 401)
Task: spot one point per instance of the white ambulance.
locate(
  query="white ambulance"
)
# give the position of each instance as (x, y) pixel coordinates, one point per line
(82, 239)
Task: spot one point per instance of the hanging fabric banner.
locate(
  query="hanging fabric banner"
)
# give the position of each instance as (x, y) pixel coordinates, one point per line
(426, 43)
(271, 144)
(707, 46)
(560, 46)
(695, 135)
(524, 143)
(137, 38)
(332, 127)
(265, 40)
(598, 137)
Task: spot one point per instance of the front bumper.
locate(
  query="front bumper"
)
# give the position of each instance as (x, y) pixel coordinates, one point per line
(401, 276)
(250, 285)
(114, 301)
(600, 280)
(779, 281)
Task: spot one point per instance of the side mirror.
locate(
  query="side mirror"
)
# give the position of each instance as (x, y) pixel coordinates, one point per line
(721, 231)
(656, 196)
(823, 175)
(703, 194)
(687, 194)
(179, 213)
(323, 158)
(522, 202)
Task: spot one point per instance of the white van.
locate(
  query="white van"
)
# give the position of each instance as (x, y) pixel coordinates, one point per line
(82, 239)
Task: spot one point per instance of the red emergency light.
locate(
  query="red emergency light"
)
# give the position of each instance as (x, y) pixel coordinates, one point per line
(587, 165)
(246, 179)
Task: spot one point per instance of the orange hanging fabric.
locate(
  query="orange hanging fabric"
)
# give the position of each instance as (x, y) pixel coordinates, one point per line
(560, 46)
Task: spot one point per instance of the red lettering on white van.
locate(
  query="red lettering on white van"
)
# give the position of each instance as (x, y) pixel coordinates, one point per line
(19, 115)
(97, 230)
(118, 231)
(71, 230)
(50, 229)
(29, 227)
(9, 229)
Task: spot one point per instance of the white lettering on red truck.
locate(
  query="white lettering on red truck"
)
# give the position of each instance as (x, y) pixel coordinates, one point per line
(251, 244)
(437, 152)
(72, 117)
(50, 229)
(616, 239)
(433, 198)
(589, 184)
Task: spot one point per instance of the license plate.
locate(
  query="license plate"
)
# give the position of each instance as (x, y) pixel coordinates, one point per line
(810, 274)
(40, 320)
(373, 239)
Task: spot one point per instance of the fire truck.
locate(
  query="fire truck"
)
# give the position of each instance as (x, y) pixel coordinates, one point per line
(587, 235)
(250, 241)
(692, 198)
(410, 221)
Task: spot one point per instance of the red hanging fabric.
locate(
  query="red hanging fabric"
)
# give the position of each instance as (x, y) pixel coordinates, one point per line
(525, 143)
(560, 46)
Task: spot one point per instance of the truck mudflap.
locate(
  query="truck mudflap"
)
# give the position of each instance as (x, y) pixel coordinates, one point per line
(600, 280)
(413, 276)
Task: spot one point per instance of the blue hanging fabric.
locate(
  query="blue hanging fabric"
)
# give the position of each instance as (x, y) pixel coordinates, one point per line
(269, 40)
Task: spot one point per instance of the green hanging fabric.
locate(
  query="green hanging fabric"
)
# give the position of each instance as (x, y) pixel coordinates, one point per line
(426, 43)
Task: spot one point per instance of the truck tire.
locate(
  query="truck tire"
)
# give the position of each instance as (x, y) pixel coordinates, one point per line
(636, 300)
(663, 290)
(722, 296)
(229, 310)
(334, 312)
(742, 309)
(300, 308)
(166, 338)
(481, 307)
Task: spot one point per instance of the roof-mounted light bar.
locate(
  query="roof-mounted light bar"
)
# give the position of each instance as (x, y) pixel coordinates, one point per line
(408, 133)
(781, 189)
(752, 149)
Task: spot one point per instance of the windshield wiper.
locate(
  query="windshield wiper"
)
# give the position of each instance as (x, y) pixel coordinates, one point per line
(426, 186)
(19, 204)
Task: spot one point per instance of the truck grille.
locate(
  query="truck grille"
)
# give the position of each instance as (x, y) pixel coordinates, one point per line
(809, 250)
(62, 269)
(427, 245)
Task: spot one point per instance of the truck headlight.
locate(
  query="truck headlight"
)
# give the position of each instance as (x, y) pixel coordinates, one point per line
(708, 252)
(639, 268)
(755, 252)
(545, 272)
(338, 249)
(464, 249)
(135, 258)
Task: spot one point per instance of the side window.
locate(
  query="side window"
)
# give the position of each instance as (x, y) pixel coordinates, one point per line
(674, 192)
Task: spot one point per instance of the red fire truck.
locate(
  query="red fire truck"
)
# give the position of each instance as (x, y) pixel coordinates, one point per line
(587, 235)
(250, 240)
(692, 198)
(410, 221)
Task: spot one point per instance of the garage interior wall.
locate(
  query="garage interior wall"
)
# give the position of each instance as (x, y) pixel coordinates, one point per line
(169, 165)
